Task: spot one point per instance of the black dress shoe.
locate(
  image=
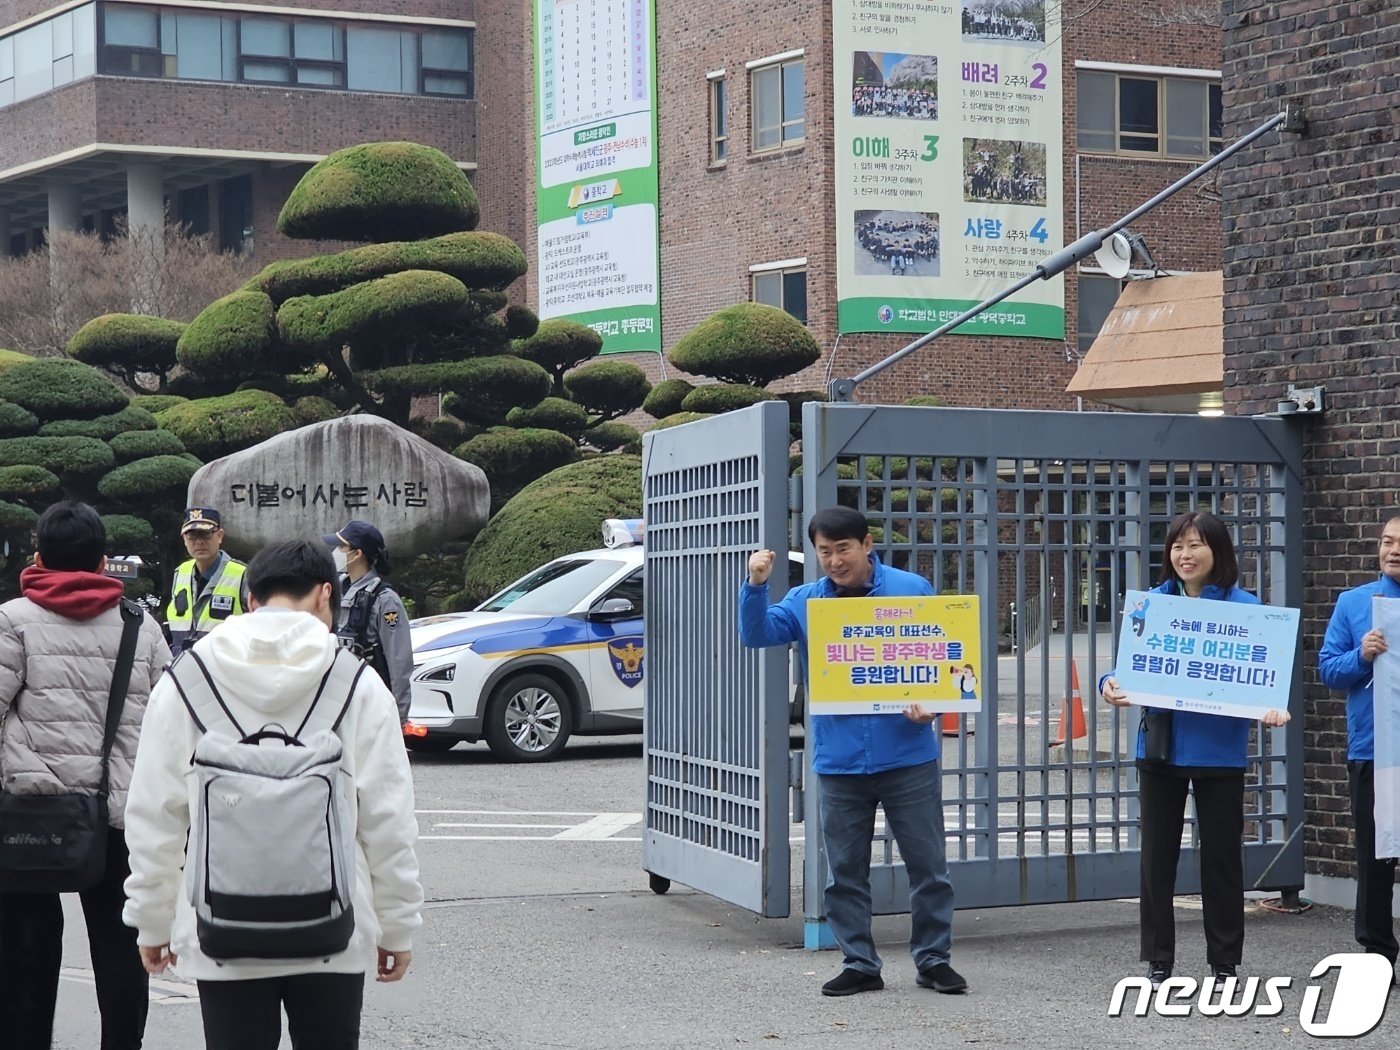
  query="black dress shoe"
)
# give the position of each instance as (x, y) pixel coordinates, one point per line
(852, 982)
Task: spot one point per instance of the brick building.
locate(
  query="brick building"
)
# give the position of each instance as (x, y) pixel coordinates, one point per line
(211, 112)
(1312, 296)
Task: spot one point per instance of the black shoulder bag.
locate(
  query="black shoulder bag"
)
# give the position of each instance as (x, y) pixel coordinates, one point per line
(58, 843)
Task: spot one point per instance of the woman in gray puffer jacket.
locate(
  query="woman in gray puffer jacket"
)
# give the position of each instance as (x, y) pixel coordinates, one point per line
(58, 652)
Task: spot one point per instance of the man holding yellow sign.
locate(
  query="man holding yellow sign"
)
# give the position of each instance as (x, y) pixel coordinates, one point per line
(869, 759)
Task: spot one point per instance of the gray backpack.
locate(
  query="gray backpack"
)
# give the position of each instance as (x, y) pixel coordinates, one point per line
(270, 868)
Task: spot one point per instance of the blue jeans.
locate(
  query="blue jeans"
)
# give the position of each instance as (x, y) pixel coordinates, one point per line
(913, 801)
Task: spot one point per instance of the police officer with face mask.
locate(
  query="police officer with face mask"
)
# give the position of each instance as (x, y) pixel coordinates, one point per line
(209, 588)
(372, 622)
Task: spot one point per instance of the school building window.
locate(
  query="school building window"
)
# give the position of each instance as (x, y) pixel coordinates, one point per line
(719, 119)
(1135, 115)
(781, 284)
(776, 103)
(1097, 294)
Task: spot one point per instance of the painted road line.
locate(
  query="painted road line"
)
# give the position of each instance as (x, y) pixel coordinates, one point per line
(160, 992)
(603, 826)
(537, 827)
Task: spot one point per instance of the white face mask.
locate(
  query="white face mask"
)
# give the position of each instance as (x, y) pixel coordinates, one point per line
(341, 559)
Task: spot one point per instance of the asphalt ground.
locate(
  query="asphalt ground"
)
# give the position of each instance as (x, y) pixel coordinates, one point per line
(541, 931)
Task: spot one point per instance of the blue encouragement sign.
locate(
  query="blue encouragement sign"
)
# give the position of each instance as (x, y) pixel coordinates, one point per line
(1219, 658)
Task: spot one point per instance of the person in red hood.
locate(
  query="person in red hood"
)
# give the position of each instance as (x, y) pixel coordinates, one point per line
(58, 652)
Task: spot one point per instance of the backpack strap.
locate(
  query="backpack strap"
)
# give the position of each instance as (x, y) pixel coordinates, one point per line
(196, 689)
(337, 688)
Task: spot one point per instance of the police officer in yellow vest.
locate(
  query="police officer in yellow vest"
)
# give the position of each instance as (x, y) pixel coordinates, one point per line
(209, 588)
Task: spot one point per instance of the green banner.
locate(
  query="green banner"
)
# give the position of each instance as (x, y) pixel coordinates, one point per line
(949, 184)
(596, 181)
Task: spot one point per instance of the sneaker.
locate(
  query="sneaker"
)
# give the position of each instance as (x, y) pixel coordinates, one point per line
(1221, 974)
(1157, 972)
(852, 982)
(942, 978)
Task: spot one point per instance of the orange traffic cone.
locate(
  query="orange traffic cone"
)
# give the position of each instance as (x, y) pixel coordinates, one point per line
(948, 723)
(1072, 710)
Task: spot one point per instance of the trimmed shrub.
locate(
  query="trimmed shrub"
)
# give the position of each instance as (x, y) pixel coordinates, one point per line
(387, 304)
(10, 358)
(104, 428)
(215, 426)
(378, 191)
(127, 342)
(553, 413)
(666, 397)
(925, 401)
(127, 534)
(444, 432)
(558, 514)
(680, 419)
(314, 409)
(521, 321)
(608, 437)
(478, 260)
(17, 518)
(232, 337)
(747, 343)
(15, 420)
(64, 456)
(147, 479)
(608, 389)
(139, 444)
(513, 458)
(27, 482)
(61, 388)
(486, 388)
(154, 403)
(714, 398)
(558, 345)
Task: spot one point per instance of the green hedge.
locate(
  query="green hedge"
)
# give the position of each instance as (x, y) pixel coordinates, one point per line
(27, 482)
(478, 260)
(486, 388)
(925, 401)
(608, 388)
(215, 426)
(138, 444)
(559, 343)
(666, 397)
(15, 420)
(128, 534)
(314, 409)
(132, 342)
(10, 358)
(680, 419)
(714, 398)
(444, 431)
(232, 337)
(553, 413)
(513, 458)
(104, 428)
(747, 343)
(61, 388)
(559, 514)
(394, 304)
(608, 437)
(64, 456)
(17, 518)
(521, 321)
(154, 403)
(381, 191)
(147, 479)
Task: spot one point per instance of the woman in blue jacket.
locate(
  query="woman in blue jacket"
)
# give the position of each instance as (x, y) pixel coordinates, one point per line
(1205, 752)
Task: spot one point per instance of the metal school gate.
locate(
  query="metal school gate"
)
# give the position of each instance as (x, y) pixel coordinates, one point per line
(1049, 517)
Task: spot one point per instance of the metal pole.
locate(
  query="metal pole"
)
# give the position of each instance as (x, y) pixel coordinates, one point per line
(844, 389)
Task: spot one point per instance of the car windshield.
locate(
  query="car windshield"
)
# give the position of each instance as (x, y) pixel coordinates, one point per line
(556, 588)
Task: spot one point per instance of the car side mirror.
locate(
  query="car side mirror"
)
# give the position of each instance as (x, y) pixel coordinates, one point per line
(615, 607)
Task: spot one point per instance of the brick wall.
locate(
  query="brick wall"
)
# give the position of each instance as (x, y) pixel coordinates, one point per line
(1312, 295)
(12, 11)
(506, 125)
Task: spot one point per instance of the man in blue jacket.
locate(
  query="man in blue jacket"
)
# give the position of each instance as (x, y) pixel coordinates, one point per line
(864, 761)
(1348, 652)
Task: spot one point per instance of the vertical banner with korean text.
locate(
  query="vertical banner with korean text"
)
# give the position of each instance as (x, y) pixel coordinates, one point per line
(949, 133)
(1385, 616)
(596, 193)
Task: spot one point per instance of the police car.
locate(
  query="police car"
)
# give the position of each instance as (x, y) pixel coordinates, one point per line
(558, 652)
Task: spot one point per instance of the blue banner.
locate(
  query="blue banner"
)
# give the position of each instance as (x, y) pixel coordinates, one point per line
(1219, 658)
(1385, 614)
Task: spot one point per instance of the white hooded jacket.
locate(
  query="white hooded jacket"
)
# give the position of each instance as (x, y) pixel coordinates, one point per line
(267, 666)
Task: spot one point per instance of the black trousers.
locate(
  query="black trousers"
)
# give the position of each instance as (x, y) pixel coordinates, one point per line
(1375, 879)
(323, 1012)
(1220, 824)
(31, 954)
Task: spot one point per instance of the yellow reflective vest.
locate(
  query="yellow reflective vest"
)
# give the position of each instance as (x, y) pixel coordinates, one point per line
(188, 617)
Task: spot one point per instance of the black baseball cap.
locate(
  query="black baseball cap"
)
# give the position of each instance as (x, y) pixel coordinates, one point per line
(358, 536)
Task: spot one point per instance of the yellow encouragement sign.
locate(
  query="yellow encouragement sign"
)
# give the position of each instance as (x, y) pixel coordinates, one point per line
(879, 655)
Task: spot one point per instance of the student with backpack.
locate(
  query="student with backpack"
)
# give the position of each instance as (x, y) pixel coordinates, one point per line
(272, 770)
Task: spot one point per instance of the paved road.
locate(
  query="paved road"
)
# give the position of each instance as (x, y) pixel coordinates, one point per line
(542, 932)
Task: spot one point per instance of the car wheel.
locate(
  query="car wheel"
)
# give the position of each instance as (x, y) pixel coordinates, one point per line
(528, 719)
(429, 745)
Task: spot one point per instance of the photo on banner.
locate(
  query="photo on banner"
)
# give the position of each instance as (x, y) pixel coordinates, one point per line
(949, 181)
(1385, 616)
(1219, 658)
(880, 655)
(596, 194)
